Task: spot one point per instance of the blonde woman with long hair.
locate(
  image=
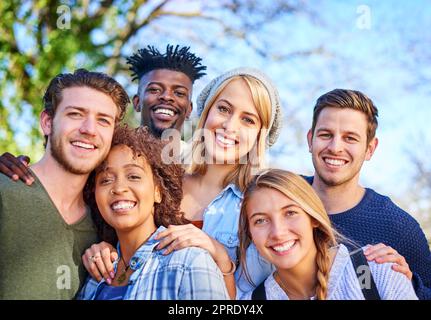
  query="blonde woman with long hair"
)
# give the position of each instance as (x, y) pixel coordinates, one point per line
(284, 218)
(240, 117)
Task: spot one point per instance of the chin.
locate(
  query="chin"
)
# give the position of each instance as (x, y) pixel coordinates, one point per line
(123, 227)
(334, 181)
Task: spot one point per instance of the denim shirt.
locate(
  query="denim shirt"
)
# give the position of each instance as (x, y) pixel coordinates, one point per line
(186, 274)
(221, 222)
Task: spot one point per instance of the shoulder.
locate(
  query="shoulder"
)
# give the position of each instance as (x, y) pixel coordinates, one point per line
(309, 179)
(388, 210)
(227, 203)
(6, 183)
(391, 284)
(375, 199)
(345, 281)
(190, 258)
(8, 187)
(198, 275)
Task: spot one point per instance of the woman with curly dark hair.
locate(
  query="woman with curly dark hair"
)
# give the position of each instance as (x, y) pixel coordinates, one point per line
(134, 196)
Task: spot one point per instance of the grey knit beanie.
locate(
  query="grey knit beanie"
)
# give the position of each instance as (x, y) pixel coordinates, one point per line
(276, 116)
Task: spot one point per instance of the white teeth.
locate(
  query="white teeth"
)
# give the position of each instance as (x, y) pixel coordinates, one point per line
(122, 205)
(165, 111)
(83, 145)
(284, 247)
(226, 141)
(335, 162)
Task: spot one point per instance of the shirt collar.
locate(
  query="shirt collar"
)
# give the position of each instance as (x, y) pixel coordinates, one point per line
(144, 252)
(234, 189)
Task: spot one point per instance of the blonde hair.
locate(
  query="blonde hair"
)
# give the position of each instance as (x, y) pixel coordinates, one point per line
(242, 173)
(297, 189)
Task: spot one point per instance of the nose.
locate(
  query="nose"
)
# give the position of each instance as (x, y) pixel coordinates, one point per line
(166, 95)
(335, 145)
(230, 124)
(119, 187)
(279, 229)
(88, 127)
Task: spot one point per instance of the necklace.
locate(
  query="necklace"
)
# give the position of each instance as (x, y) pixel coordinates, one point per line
(284, 287)
(123, 276)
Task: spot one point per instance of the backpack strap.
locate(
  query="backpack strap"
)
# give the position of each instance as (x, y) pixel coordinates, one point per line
(259, 292)
(359, 262)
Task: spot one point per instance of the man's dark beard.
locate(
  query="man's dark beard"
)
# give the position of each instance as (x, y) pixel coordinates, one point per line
(57, 154)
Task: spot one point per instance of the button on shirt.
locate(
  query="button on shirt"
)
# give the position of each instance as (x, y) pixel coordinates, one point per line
(221, 221)
(186, 274)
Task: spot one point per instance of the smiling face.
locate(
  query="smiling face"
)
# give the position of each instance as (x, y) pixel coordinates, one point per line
(125, 191)
(280, 229)
(232, 124)
(80, 134)
(164, 100)
(339, 146)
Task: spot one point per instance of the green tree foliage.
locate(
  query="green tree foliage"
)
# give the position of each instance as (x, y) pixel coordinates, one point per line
(41, 38)
(53, 37)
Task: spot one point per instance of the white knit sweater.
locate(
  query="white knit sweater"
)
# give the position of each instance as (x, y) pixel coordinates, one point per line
(343, 283)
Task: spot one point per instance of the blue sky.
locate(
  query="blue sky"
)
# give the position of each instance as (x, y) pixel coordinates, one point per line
(376, 61)
(384, 61)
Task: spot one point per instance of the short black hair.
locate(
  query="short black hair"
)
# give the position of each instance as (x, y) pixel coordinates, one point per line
(178, 59)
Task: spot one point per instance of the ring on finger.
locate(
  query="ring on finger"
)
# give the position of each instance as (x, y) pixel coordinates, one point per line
(94, 258)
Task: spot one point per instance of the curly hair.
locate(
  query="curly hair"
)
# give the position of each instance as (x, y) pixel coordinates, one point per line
(167, 176)
(178, 59)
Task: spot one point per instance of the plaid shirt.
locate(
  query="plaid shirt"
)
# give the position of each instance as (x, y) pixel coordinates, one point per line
(186, 274)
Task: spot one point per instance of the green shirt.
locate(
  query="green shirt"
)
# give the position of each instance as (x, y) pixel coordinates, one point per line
(40, 254)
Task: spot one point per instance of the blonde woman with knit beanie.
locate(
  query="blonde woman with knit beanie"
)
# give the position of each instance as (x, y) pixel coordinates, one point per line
(240, 117)
(287, 222)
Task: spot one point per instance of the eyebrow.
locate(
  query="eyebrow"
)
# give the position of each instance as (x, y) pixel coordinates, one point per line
(284, 208)
(246, 112)
(84, 110)
(129, 165)
(134, 165)
(162, 85)
(348, 132)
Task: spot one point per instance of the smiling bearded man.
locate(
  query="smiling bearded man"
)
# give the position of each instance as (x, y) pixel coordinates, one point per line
(45, 227)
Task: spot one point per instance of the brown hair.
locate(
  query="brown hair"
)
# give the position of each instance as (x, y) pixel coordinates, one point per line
(351, 99)
(299, 190)
(168, 177)
(84, 78)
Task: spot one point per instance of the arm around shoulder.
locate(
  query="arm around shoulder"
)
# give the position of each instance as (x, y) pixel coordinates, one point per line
(392, 285)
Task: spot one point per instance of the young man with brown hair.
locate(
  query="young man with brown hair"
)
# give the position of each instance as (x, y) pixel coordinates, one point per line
(45, 227)
(341, 138)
